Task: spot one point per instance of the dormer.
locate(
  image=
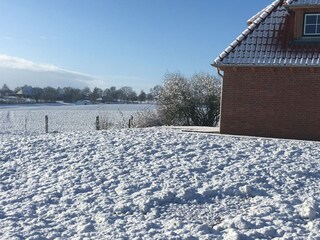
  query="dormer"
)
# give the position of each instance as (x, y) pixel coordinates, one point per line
(306, 16)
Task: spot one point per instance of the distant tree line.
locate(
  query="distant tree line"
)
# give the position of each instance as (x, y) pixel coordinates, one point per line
(71, 95)
(185, 101)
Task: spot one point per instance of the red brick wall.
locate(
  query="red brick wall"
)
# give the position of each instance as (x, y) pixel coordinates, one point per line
(271, 102)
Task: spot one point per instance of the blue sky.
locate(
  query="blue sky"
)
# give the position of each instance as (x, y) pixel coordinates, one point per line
(108, 43)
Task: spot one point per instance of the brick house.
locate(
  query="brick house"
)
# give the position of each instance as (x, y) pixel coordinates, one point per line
(271, 74)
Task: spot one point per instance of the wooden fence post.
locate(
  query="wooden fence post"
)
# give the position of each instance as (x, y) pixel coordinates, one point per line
(25, 124)
(47, 123)
(97, 123)
(130, 124)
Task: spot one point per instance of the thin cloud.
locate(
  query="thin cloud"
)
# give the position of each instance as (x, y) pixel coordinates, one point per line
(15, 71)
(18, 71)
(20, 63)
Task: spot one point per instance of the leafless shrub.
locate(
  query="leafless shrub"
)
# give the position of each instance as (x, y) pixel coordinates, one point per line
(147, 118)
(106, 123)
(141, 119)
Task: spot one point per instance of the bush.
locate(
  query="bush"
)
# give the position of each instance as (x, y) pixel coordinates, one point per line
(186, 102)
(147, 118)
(106, 123)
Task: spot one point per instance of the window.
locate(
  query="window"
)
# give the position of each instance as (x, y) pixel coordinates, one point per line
(312, 24)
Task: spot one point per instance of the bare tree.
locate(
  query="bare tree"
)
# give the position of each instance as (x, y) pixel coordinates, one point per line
(206, 100)
(174, 99)
(128, 94)
(5, 90)
(189, 102)
(142, 96)
(86, 93)
(96, 94)
(49, 94)
(154, 92)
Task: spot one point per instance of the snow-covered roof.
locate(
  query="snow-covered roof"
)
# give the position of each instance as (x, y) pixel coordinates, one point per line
(266, 41)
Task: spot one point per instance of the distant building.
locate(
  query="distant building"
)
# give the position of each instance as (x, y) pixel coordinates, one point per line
(20, 93)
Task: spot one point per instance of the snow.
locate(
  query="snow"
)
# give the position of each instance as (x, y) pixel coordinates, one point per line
(157, 183)
(30, 118)
(198, 129)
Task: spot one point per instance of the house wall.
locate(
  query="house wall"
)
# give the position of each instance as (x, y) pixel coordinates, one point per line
(298, 26)
(271, 102)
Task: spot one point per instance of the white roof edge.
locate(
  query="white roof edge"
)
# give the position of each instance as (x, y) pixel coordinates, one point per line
(259, 17)
(253, 18)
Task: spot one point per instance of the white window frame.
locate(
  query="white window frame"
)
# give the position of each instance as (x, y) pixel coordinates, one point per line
(305, 24)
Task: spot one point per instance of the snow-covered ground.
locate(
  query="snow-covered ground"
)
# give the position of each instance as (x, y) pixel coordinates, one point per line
(30, 119)
(157, 183)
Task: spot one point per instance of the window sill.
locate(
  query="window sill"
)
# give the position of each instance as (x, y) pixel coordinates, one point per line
(307, 40)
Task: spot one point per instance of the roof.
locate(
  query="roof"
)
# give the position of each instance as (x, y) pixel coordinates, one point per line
(266, 42)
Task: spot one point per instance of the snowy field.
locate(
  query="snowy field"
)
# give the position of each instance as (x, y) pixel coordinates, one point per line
(30, 119)
(157, 183)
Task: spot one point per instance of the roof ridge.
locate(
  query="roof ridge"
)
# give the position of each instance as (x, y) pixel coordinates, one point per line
(258, 18)
(254, 17)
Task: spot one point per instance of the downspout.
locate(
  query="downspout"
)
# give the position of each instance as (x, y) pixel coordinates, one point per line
(219, 73)
(222, 76)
